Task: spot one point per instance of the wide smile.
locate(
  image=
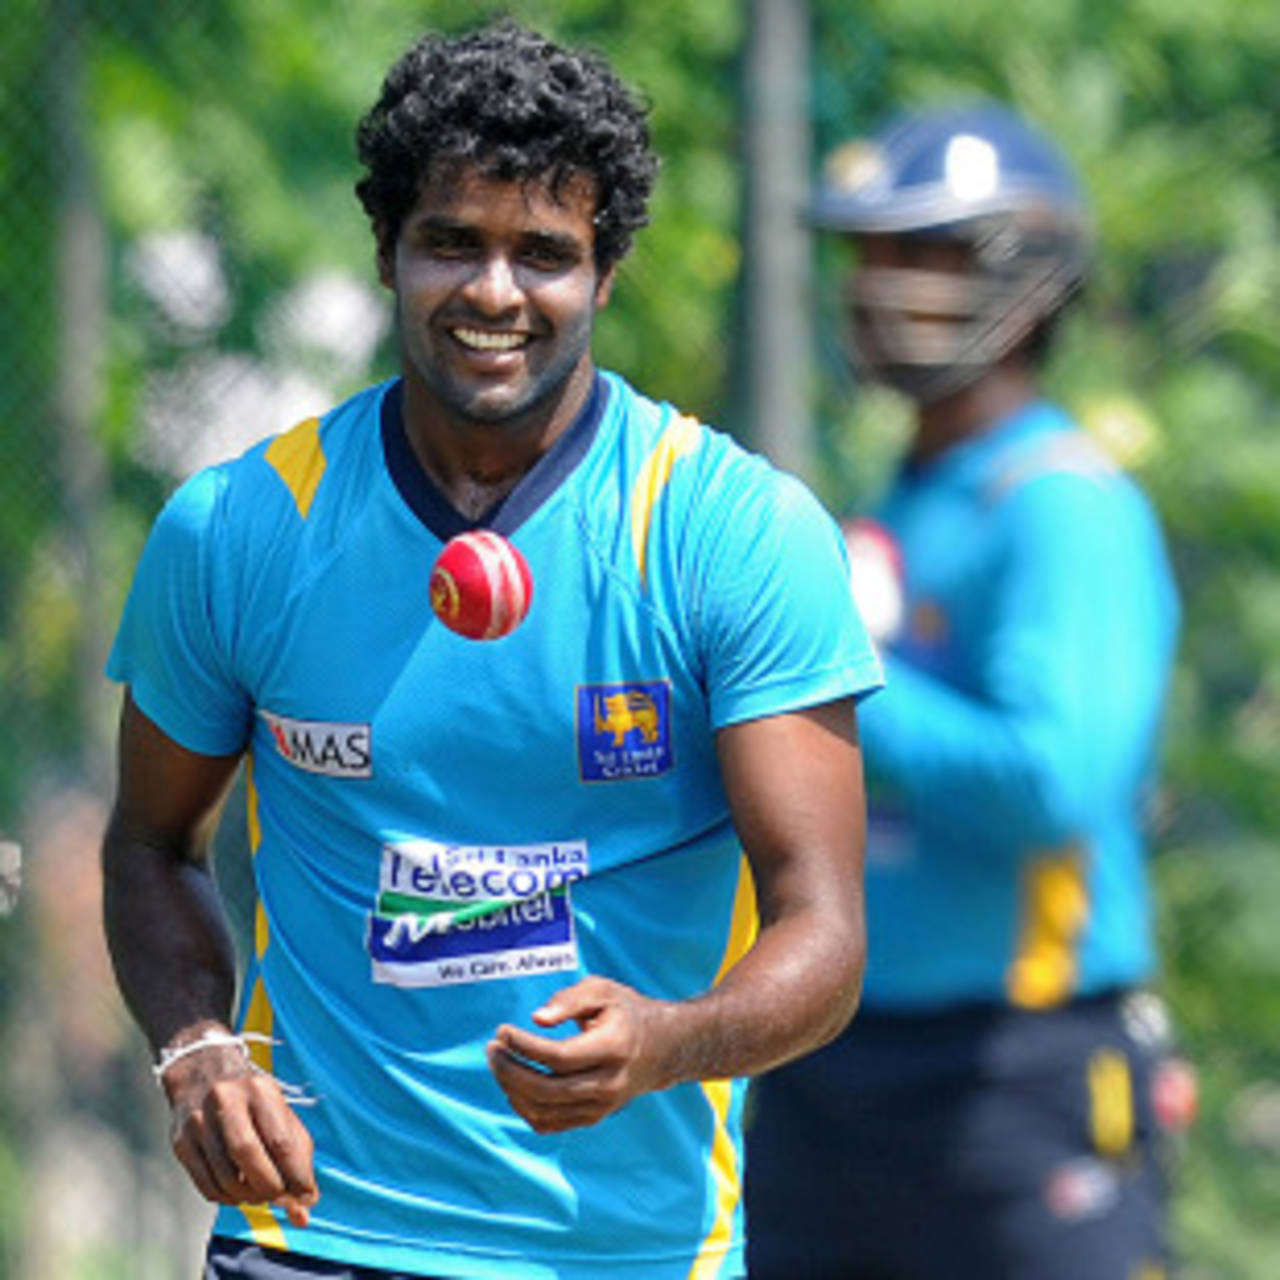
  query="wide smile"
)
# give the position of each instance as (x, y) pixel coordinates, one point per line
(490, 342)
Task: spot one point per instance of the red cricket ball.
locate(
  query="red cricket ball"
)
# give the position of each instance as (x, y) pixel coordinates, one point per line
(480, 585)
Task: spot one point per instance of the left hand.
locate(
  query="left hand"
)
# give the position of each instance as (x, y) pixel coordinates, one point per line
(619, 1052)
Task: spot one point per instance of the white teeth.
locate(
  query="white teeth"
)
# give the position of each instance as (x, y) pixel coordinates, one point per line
(483, 341)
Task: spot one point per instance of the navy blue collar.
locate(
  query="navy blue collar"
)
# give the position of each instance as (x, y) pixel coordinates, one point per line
(535, 487)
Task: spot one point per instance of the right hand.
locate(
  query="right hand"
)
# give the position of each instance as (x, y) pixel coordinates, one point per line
(236, 1135)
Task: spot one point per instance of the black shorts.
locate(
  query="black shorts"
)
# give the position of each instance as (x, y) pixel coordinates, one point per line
(986, 1144)
(229, 1259)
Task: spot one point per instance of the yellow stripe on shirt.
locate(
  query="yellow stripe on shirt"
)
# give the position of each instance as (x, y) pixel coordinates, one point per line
(251, 806)
(298, 458)
(726, 1176)
(267, 1231)
(259, 1019)
(744, 924)
(259, 1016)
(1044, 970)
(680, 437)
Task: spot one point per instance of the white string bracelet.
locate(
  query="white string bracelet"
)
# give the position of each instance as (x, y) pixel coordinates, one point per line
(207, 1040)
(295, 1095)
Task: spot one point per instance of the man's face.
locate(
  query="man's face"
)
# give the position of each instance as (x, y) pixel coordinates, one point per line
(915, 306)
(910, 279)
(496, 292)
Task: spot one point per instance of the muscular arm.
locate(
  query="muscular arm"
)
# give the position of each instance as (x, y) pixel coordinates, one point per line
(169, 941)
(795, 791)
(175, 964)
(1070, 678)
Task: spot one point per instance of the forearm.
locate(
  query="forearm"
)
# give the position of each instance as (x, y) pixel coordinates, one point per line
(795, 789)
(232, 1129)
(943, 750)
(170, 946)
(792, 992)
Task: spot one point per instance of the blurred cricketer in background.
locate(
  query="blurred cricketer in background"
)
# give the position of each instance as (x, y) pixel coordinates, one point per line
(989, 1116)
(538, 885)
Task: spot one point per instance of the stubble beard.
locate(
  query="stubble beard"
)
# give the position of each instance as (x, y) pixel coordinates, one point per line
(508, 403)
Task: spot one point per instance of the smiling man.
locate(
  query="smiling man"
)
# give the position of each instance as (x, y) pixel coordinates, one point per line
(530, 909)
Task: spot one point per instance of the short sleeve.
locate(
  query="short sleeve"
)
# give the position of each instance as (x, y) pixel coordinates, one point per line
(173, 642)
(780, 628)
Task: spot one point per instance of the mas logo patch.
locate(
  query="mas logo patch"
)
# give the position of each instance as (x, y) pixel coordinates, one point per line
(334, 749)
(624, 730)
(449, 914)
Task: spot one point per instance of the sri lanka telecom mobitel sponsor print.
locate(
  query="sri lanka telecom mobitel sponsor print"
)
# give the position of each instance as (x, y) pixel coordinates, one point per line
(448, 913)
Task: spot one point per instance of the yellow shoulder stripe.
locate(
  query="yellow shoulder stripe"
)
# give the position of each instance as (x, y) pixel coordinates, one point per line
(299, 460)
(680, 437)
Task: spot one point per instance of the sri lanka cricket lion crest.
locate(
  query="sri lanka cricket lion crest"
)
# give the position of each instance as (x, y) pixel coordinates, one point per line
(622, 713)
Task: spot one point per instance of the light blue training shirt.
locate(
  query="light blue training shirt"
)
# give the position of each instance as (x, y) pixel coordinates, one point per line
(445, 832)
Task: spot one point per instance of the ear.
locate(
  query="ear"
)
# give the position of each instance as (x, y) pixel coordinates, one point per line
(604, 287)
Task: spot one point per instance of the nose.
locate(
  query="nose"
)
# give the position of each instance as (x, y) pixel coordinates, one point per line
(494, 288)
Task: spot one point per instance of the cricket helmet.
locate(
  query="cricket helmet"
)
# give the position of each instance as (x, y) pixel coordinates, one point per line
(978, 175)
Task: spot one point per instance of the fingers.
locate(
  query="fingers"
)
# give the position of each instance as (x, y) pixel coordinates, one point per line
(200, 1148)
(560, 1057)
(241, 1143)
(553, 1103)
(581, 1002)
(598, 1007)
(279, 1144)
(298, 1208)
(568, 1082)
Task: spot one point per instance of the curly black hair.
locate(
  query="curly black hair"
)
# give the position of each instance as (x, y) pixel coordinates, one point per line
(519, 108)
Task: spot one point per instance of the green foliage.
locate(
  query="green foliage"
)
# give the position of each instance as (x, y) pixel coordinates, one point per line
(15, 946)
(1223, 958)
(12, 1204)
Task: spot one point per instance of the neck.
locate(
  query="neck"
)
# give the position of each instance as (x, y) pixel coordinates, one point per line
(973, 410)
(475, 463)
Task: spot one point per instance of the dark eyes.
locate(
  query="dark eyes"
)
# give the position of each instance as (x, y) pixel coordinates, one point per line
(547, 256)
(535, 253)
(447, 244)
